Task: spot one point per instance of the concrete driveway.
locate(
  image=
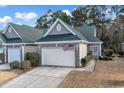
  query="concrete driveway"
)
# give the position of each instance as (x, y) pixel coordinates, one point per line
(44, 77)
(4, 67)
(41, 77)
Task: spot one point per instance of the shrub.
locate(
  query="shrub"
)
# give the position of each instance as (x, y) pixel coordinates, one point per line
(14, 65)
(2, 56)
(121, 53)
(86, 59)
(105, 58)
(25, 65)
(83, 62)
(33, 57)
(108, 52)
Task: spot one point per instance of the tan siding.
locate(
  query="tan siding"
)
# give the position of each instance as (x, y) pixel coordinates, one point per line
(82, 50)
(30, 49)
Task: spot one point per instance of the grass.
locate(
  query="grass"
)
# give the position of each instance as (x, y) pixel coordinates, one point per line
(8, 75)
(107, 74)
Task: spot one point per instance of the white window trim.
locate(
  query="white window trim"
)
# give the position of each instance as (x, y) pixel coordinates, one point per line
(54, 24)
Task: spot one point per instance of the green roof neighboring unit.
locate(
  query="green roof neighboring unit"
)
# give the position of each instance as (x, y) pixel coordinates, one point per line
(28, 34)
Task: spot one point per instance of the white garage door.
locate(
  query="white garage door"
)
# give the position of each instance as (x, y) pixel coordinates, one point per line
(58, 57)
(14, 54)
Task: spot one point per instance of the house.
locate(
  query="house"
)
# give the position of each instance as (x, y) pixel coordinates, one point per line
(60, 45)
(64, 45)
(17, 40)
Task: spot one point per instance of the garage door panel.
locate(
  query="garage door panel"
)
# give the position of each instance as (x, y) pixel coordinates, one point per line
(58, 57)
(14, 54)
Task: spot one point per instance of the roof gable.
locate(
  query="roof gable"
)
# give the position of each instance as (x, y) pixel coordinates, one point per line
(54, 26)
(11, 33)
(59, 29)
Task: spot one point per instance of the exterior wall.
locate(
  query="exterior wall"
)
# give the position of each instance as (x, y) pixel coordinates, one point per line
(64, 30)
(11, 34)
(30, 49)
(82, 50)
(123, 47)
(95, 49)
(23, 50)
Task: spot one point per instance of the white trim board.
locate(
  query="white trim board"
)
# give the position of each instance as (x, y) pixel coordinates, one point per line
(57, 20)
(18, 43)
(57, 42)
(95, 42)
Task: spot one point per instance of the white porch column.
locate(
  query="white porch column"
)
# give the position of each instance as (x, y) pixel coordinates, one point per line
(100, 50)
(23, 54)
(5, 53)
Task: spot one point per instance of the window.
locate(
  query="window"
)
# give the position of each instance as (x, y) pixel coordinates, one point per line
(95, 49)
(9, 29)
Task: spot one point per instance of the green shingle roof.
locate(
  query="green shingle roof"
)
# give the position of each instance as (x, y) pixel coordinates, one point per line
(27, 33)
(88, 32)
(7, 40)
(85, 33)
(30, 35)
(81, 36)
(62, 37)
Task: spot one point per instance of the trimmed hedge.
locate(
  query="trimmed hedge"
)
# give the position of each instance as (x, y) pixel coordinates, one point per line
(108, 52)
(105, 58)
(14, 65)
(33, 57)
(86, 59)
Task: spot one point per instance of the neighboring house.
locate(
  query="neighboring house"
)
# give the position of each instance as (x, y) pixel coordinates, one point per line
(122, 46)
(16, 40)
(60, 45)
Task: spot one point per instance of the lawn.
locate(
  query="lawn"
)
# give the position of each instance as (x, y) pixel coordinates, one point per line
(107, 74)
(8, 75)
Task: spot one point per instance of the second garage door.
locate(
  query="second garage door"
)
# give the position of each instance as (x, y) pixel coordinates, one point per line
(14, 54)
(58, 57)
